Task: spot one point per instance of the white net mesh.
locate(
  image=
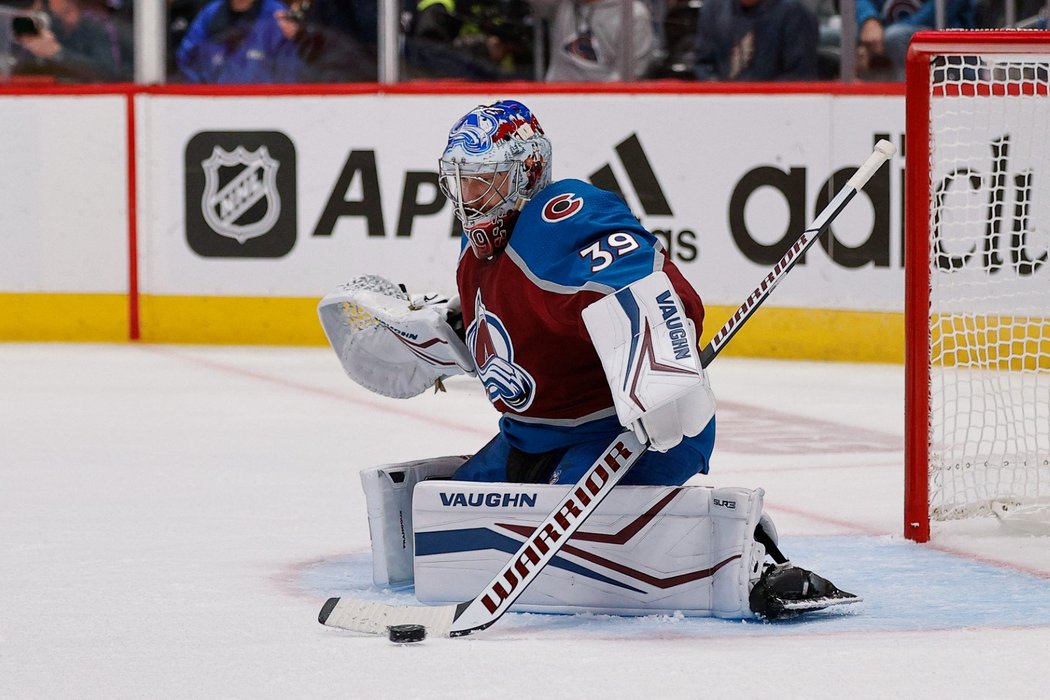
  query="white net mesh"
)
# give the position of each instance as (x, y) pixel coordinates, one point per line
(989, 283)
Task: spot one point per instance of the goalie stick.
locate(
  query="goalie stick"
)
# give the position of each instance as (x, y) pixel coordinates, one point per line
(581, 500)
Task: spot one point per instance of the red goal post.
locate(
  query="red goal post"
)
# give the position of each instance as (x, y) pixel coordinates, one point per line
(977, 293)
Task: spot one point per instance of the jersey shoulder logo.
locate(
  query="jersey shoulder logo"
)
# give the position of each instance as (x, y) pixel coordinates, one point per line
(493, 352)
(561, 207)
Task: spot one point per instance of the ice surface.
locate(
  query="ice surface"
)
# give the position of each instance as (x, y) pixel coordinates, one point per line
(173, 517)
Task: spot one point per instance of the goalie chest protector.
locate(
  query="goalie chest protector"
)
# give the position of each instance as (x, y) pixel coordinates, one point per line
(571, 245)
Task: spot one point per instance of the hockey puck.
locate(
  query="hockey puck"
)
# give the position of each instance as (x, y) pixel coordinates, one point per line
(406, 634)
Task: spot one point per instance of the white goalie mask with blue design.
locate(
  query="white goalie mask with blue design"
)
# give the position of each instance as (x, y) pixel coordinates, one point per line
(496, 160)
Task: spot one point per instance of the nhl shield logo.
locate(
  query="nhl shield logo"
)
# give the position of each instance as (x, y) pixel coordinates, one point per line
(232, 200)
(240, 194)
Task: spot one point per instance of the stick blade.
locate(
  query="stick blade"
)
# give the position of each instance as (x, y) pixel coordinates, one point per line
(374, 618)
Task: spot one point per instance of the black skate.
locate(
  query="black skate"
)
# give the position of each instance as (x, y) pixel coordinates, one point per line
(786, 591)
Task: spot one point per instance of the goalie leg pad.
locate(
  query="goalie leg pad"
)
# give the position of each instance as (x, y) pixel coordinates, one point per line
(646, 549)
(388, 497)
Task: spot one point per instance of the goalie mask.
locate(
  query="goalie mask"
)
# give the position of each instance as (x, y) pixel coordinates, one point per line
(496, 160)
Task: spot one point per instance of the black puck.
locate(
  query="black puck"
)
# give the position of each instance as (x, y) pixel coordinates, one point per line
(406, 634)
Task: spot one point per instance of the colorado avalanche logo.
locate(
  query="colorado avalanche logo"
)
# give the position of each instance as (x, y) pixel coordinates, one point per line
(478, 131)
(493, 353)
(473, 133)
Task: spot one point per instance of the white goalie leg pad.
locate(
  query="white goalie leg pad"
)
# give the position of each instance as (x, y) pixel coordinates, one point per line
(388, 498)
(389, 343)
(647, 347)
(645, 550)
(737, 512)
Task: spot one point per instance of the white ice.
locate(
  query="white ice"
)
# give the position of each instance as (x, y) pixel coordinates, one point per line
(172, 518)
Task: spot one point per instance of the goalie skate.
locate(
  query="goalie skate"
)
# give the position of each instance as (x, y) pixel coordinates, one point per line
(786, 591)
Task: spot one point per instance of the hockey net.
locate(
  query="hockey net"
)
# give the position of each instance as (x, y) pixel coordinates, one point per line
(978, 279)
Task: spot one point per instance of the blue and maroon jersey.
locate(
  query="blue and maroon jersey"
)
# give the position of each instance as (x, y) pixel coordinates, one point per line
(571, 245)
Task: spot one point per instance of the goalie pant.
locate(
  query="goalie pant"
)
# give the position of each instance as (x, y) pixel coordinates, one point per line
(646, 549)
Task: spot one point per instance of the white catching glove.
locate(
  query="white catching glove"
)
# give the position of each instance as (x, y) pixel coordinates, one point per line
(390, 343)
(647, 346)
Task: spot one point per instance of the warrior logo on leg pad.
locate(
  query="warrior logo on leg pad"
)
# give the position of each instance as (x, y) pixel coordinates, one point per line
(493, 351)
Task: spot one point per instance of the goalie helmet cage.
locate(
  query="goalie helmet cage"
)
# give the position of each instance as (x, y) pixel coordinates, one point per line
(977, 298)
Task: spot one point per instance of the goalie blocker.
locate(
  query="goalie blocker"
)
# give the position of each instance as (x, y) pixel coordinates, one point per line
(647, 347)
(645, 550)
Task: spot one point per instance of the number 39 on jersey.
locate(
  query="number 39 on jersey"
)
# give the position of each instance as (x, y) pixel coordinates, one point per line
(603, 252)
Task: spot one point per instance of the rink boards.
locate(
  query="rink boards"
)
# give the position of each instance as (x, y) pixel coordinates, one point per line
(219, 217)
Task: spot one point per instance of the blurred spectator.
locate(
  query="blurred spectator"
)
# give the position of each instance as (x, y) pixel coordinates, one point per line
(181, 14)
(74, 47)
(117, 16)
(991, 14)
(658, 10)
(586, 36)
(678, 30)
(239, 41)
(472, 39)
(829, 24)
(331, 45)
(756, 40)
(886, 26)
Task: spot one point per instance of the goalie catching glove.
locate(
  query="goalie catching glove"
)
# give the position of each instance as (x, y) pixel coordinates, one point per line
(647, 346)
(391, 343)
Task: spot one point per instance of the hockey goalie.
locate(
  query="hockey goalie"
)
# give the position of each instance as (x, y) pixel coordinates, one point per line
(578, 325)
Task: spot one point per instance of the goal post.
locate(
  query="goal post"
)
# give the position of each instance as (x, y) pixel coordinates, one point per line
(977, 278)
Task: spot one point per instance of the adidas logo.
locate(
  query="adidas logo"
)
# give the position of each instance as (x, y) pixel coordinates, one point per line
(640, 172)
(635, 164)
